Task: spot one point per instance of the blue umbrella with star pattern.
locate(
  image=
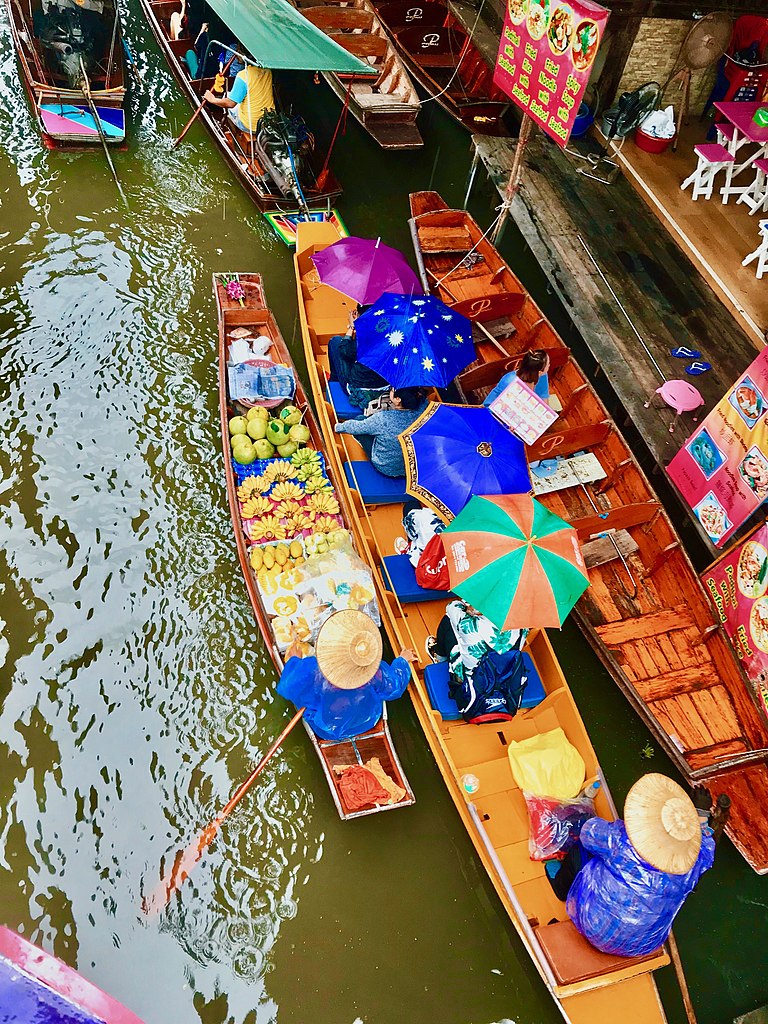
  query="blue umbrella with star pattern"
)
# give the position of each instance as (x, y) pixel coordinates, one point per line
(414, 340)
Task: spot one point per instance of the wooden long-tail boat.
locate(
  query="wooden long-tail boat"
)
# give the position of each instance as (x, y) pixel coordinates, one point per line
(587, 985)
(260, 162)
(64, 50)
(36, 986)
(387, 106)
(446, 63)
(255, 316)
(645, 613)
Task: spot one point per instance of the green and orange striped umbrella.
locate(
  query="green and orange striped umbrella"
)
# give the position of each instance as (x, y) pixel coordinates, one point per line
(515, 561)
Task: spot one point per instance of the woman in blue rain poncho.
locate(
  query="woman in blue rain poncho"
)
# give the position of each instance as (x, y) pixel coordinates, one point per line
(626, 897)
(344, 686)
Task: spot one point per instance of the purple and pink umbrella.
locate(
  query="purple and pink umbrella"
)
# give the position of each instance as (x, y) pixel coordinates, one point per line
(365, 268)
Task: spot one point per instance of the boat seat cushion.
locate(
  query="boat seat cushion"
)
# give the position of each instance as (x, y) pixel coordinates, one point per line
(400, 578)
(437, 677)
(375, 488)
(572, 958)
(339, 399)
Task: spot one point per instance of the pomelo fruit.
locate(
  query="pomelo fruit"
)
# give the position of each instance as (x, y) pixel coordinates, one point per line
(264, 449)
(287, 449)
(290, 415)
(299, 433)
(237, 425)
(258, 412)
(257, 428)
(277, 432)
(245, 456)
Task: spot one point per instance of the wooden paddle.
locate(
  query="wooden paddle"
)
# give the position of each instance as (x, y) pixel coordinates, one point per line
(85, 88)
(192, 119)
(186, 859)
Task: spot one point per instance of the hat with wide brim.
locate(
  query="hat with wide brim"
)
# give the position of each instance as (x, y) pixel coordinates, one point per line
(662, 824)
(348, 649)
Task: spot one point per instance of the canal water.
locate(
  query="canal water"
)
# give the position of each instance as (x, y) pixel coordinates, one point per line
(135, 690)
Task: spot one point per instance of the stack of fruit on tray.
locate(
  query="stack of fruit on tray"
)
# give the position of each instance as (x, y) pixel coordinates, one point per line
(301, 555)
(257, 435)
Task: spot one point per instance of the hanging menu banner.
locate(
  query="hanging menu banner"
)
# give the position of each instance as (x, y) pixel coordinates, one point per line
(738, 586)
(722, 470)
(545, 58)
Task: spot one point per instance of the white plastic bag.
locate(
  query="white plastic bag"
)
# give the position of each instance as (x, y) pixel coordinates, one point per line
(660, 124)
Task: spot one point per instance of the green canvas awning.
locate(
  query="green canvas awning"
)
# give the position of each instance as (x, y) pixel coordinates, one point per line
(277, 36)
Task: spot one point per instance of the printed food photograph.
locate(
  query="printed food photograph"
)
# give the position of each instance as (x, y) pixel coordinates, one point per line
(585, 41)
(705, 453)
(748, 402)
(752, 570)
(518, 10)
(753, 469)
(713, 517)
(538, 18)
(758, 623)
(561, 29)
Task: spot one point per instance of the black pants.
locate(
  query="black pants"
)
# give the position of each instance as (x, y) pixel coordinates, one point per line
(446, 638)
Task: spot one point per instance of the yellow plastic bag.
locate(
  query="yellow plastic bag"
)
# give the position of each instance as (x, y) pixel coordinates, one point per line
(547, 765)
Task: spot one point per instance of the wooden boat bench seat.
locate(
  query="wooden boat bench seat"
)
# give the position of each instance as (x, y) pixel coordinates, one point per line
(374, 488)
(399, 578)
(436, 60)
(573, 959)
(445, 239)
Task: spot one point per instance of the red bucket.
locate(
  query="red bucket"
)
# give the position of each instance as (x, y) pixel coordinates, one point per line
(649, 143)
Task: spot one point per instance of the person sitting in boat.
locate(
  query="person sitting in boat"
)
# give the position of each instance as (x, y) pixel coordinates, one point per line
(641, 870)
(533, 371)
(344, 685)
(378, 434)
(361, 384)
(486, 670)
(178, 25)
(249, 98)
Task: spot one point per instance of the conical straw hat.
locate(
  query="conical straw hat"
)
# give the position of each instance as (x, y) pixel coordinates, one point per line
(662, 824)
(348, 649)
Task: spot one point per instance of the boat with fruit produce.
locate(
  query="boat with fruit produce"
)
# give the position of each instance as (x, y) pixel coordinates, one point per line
(290, 518)
(646, 612)
(473, 759)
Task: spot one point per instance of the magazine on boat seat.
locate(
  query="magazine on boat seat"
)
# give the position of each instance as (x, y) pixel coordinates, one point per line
(520, 408)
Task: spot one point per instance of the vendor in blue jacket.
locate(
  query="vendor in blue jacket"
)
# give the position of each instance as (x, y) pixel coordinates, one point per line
(642, 869)
(344, 686)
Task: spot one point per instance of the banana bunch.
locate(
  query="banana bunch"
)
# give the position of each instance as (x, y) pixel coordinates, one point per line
(268, 528)
(255, 507)
(249, 487)
(287, 491)
(279, 471)
(306, 457)
(316, 484)
(325, 524)
(288, 508)
(323, 502)
(295, 523)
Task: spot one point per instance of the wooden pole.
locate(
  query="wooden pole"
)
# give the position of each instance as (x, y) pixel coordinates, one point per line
(186, 859)
(194, 117)
(677, 963)
(515, 176)
(86, 90)
(111, 50)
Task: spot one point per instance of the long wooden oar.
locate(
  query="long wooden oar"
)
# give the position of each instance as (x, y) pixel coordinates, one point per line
(85, 88)
(194, 117)
(186, 859)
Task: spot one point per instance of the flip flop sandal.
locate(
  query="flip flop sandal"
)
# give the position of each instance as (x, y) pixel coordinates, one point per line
(681, 352)
(697, 367)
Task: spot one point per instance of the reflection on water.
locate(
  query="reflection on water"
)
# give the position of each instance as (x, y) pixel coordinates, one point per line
(135, 691)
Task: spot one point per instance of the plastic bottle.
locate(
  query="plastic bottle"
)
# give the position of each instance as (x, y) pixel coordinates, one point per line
(471, 783)
(591, 790)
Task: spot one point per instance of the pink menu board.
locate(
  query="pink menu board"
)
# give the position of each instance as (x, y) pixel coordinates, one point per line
(520, 408)
(722, 470)
(738, 586)
(546, 53)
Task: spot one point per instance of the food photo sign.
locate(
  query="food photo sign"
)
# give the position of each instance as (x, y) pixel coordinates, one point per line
(545, 58)
(722, 470)
(738, 586)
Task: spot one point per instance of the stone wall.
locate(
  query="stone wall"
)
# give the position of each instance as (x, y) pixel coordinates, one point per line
(653, 57)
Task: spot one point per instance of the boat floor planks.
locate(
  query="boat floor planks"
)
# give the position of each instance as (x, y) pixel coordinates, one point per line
(496, 818)
(655, 629)
(377, 742)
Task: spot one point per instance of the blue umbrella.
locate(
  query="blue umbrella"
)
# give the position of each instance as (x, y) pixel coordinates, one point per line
(453, 452)
(414, 340)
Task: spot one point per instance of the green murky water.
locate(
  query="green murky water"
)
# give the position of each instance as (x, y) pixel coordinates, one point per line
(135, 692)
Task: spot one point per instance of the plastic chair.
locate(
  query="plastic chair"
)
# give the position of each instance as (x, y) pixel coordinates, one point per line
(761, 252)
(712, 158)
(756, 195)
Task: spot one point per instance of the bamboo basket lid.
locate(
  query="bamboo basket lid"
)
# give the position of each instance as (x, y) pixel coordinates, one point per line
(662, 824)
(348, 649)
